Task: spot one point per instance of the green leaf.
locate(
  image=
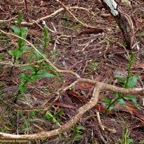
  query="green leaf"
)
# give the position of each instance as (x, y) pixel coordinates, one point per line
(15, 29)
(121, 80)
(106, 100)
(132, 81)
(49, 116)
(20, 17)
(16, 53)
(132, 98)
(58, 113)
(39, 75)
(11, 52)
(78, 136)
(43, 74)
(78, 128)
(38, 57)
(23, 31)
(24, 77)
(129, 141)
(22, 88)
(121, 101)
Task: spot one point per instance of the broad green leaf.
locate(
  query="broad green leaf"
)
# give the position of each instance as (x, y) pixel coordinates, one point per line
(120, 80)
(110, 108)
(43, 74)
(24, 32)
(79, 127)
(11, 52)
(38, 57)
(121, 102)
(18, 53)
(39, 75)
(22, 88)
(132, 81)
(132, 98)
(119, 95)
(24, 77)
(129, 141)
(15, 29)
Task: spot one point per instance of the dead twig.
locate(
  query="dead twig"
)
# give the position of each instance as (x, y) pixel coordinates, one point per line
(43, 18)
(75, 18)
(19, 65)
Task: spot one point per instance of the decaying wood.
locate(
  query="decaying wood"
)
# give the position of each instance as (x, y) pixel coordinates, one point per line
(124, 22)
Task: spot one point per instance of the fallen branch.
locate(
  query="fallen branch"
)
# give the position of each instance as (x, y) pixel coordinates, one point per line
(93, 101)
(98, 86)
(107, 87)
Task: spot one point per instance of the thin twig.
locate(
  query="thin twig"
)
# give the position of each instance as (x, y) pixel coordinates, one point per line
(75, 18)
(19, 65)
(46, 60)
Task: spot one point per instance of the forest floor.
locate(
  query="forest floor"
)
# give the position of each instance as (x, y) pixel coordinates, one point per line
(94, 53)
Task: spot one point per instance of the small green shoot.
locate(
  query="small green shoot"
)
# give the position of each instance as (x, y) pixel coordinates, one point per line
(46, 38)
(21, 47)
(129, 82)
(36, 73)
(77, 131)
(125, 137)
(53, 118)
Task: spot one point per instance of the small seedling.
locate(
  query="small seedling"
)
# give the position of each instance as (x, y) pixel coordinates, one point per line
(46, 38)
(21, 44)
(77, 131)
(125, 137)
(129, 82)
(53, 117)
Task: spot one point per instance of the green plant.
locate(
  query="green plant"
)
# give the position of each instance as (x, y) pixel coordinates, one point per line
(21, 44)
(77, 131)
(53, 117)
(36, 73)
(33, 72)
(46, 38)
(125, 137)
(129, 82)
